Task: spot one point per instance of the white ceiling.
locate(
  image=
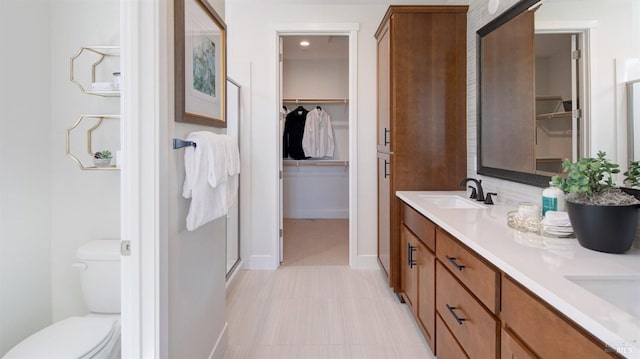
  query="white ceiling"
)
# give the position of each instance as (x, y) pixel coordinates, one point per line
(321, 47)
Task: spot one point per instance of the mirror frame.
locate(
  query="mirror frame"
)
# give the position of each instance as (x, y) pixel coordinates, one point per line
(521, 177)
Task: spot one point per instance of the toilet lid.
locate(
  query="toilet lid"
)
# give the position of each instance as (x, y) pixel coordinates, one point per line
(73, 337)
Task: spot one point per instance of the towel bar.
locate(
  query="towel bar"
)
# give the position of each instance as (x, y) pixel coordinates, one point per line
(177, 143)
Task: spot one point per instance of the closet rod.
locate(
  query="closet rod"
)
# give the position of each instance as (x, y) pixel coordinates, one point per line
(315, 100)
(298, 163)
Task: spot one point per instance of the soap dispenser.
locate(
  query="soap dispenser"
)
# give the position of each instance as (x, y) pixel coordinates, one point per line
(552, 199)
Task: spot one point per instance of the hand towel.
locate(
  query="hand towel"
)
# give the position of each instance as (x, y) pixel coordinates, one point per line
(208, 177)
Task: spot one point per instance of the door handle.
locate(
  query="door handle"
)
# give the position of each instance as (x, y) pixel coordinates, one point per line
(386, 130)
(412, 261)
(386, 174)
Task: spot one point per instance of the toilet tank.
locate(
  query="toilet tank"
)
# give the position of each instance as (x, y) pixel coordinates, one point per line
(99, 261)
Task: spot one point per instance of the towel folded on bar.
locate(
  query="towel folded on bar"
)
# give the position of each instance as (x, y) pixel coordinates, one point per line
(211, 177)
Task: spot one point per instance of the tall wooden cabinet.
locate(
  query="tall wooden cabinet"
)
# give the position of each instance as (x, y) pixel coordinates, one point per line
(421, 76)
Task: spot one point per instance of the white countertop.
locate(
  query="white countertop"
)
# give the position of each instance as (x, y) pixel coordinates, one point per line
(541, 264)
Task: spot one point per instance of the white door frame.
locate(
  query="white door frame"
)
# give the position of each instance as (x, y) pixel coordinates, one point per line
(341, 29)
(140, 200)
(586, 31)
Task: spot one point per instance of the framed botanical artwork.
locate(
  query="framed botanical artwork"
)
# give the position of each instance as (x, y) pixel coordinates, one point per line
(200, 64)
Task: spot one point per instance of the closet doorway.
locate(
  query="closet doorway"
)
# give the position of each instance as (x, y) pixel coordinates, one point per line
(560, 98)
(314, 144)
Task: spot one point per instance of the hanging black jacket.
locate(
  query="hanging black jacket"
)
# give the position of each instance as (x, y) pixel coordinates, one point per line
(293, 132)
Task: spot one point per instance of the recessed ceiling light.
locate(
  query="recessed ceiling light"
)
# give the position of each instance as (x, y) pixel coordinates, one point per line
(304, 43)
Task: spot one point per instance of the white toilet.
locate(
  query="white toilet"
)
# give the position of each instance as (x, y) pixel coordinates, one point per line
(96, 335)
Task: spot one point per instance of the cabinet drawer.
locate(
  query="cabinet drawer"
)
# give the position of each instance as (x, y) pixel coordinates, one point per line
(419, 225)
(446, 345)
(511, 348)
(547, 333)
(481, 279)
(474, 327)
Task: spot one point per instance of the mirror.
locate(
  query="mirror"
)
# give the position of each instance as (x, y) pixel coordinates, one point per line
(546, 79)
(633, 112)
(233, 217)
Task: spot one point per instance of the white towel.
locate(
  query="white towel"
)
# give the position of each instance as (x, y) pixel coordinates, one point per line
(207, 181)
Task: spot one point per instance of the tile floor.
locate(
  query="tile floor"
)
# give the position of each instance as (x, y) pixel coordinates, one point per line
(322, 312)
(316, 242)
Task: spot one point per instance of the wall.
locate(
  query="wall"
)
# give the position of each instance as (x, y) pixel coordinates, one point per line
(319, 191)
(85, 204)
(251, 29)
(25, 183)
(193, 275)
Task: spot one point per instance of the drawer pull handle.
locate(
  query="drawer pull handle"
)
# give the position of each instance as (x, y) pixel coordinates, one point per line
(411, 261)
(452, 260)
(452, 311)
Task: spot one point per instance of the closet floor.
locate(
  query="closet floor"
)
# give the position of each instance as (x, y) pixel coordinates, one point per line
(315, 242)
(323, 312)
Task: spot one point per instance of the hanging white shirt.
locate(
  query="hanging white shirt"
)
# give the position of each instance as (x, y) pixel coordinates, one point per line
(317, 140)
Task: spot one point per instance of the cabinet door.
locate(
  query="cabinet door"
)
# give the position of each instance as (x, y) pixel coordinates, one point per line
(384, 90)
(384, 212)
(409, 268)
(447, 346)
(472, 325)
(525, 315)
(511, 348)
(481, 279)
(426, 291)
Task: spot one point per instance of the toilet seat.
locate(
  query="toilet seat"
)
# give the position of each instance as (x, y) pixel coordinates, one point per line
(74, 337)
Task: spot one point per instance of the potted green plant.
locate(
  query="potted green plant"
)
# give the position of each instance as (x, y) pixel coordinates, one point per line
(632, 179)
(603, 217)
(102, 158)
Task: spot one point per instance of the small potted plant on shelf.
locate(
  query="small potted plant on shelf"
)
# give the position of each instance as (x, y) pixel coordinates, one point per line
(102, 158)
(603, 217)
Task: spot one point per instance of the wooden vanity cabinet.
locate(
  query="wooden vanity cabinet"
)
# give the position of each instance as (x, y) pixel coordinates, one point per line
(544, 331)
(417, 273)
(512, 348)
(421, 113)
(467, 298)
(467, 308)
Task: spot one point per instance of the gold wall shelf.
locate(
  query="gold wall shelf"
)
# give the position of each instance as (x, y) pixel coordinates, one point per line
(102, 53)
(90, 151)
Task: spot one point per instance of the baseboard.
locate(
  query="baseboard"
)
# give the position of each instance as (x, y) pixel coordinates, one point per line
(232, 279)
(220, 349)
(317, 214)
(260, 262)
(369, 261)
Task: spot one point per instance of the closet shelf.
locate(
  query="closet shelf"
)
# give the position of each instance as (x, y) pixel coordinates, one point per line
(329, 163)
(315, 100)
(553, 116)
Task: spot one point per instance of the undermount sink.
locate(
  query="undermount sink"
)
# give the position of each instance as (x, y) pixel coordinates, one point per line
(451, 201)
(621, 291)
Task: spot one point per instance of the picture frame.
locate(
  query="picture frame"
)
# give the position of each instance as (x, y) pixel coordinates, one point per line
(200, 42)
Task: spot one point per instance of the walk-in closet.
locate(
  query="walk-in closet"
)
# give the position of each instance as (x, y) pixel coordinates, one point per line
(558, 100)
(314, 128)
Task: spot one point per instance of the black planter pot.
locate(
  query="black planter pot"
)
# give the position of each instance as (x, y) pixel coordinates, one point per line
(632, 191)
(609, 229)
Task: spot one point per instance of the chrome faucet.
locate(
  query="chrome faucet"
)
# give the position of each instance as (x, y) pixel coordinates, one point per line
(479, 192)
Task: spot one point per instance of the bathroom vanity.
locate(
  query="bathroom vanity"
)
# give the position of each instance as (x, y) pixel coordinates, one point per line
(478, 288)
